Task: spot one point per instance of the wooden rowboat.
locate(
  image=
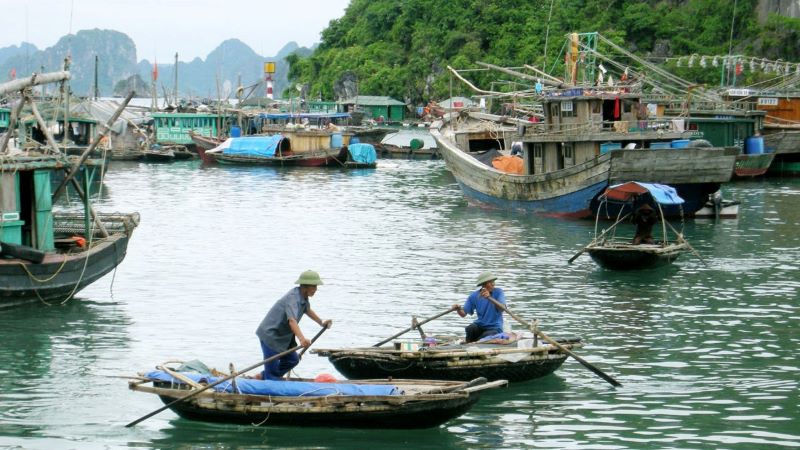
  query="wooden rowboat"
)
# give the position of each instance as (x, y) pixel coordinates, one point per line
(450, 362)
(361, 404)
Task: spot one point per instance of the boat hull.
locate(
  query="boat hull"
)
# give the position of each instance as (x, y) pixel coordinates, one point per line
(573, 191)
(632, 259)
(59, 276)
(753, 165)
(359, 368)
(418, 414)
(316, 160)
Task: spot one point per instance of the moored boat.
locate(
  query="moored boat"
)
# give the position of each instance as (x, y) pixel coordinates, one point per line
(411, 144)
(49, 256)
(357, 404)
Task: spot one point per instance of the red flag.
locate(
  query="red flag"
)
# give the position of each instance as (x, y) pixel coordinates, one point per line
(13, 73)
(738, 69)
(155, 71)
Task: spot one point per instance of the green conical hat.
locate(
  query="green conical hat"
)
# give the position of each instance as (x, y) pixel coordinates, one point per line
(309, 277)
(484, 277)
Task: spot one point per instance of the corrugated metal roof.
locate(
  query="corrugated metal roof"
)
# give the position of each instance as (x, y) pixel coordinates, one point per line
(371, 100)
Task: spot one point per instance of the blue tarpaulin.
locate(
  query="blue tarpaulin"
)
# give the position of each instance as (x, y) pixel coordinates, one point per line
(282, 388)
(362, 153)
(666, 195)
(264, 146)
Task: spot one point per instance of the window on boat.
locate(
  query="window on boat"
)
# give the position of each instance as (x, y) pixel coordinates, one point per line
(568, 151)
(567, 109)
(538, 151)
(627, 106)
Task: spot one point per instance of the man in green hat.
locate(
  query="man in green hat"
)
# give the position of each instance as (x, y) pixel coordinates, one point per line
(279, 330)
(490, 316)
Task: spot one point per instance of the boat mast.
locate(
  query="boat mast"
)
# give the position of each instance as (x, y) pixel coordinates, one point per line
(96, 87)
(176, 79)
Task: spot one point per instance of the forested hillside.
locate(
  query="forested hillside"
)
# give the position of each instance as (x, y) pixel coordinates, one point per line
(402, 49)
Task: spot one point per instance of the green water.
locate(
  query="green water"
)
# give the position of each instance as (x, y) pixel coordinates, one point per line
(706, 350)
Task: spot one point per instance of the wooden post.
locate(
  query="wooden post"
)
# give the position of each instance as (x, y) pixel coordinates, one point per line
(33, 80)
(12, 124)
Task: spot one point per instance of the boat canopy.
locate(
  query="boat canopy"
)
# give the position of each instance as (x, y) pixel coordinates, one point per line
(362, 153)
(264, 146)
(403, 139)
(661, 193)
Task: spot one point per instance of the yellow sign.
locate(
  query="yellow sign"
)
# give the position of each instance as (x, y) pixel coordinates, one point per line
(269, 67)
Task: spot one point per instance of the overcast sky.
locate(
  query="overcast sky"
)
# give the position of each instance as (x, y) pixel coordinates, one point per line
(159, 28)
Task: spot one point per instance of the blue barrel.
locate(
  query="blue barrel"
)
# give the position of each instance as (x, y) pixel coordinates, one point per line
(336, 140)
(236, 132)
(660, 144)
(604, 148)
(355, 140)
(754, 145)
(679, 143)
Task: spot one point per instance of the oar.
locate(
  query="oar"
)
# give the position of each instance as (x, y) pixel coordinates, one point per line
(680, 236)
(449, 310)
(596, 238)
(547, 338)
(222, 380)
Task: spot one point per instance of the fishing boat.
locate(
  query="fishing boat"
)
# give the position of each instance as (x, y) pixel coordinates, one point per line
(781, 124)
(641, 252)
(561, 172)
(173, 129)
(47, 255)
(513, 359)
(411, 144)
(389, 403)
(158, 153)
(274, 150)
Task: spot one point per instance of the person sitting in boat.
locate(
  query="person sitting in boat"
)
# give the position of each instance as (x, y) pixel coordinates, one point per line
(279, 330)
(344, 154)
(644, 218)
(490, 316)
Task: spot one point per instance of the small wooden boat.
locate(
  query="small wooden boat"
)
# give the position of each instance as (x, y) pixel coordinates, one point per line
(451, 362)
(410, 144)
(642, 252)
(358, 156)
(359, 404)
(158, 153)
(204, 143)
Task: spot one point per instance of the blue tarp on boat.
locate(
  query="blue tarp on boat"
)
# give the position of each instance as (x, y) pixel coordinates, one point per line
(666, 195)
(264, 146)
(362, 153)
(282, 388)
(309, 116)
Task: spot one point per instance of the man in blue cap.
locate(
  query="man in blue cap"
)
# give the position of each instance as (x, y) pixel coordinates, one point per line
(490, 316)
(279, 331)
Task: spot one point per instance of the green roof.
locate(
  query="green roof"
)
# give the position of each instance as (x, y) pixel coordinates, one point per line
(371, 100)
(183, 115)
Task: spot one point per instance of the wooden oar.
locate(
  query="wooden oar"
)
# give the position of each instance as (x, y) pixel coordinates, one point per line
(680, 237)
(222, 380)
(449, 310)
(596, 238)
(549, 340)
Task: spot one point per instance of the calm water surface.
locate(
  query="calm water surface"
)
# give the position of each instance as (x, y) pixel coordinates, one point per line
(706, 351)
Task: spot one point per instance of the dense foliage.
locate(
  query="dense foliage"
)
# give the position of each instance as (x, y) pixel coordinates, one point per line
(402, 49)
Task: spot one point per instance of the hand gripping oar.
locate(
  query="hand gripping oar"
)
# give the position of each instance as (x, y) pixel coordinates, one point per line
(549, 340)
(449, 310)
(222, 380)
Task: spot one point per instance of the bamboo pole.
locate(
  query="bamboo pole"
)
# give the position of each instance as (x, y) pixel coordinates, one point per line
(12, 124)
(448, 311)
(33, 80)
(85, 155)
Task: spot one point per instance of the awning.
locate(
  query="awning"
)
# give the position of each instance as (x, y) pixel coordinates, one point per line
(663, 194)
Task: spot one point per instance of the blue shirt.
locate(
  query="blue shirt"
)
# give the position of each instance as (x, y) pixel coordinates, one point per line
(488, 315)
(274, 330)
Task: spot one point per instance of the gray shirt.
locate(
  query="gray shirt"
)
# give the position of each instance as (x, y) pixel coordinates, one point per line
(274, 330)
